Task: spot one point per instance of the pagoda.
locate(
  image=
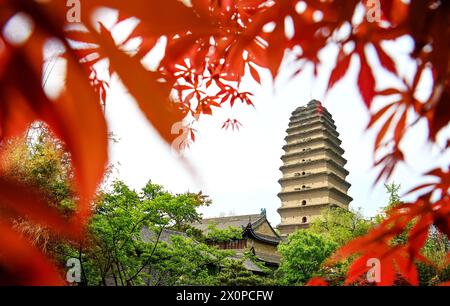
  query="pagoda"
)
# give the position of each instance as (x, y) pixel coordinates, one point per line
(314, 176)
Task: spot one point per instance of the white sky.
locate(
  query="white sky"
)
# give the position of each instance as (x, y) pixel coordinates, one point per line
(240, 170)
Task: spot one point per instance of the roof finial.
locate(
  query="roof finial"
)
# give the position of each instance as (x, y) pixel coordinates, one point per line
(263, 212)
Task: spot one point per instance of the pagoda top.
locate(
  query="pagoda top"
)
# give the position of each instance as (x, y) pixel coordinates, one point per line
(314, 101)
(310, 103)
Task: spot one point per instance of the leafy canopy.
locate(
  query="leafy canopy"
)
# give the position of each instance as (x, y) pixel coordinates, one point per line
(303, 253)
(216, 235)
(340, 225)
(124, 235)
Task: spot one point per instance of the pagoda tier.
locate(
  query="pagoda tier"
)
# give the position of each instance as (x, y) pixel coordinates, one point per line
(313, 170)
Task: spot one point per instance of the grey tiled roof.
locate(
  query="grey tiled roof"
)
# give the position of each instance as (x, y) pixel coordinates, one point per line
(247, 263)
(268, 257)
(225, 222)
(149, 235)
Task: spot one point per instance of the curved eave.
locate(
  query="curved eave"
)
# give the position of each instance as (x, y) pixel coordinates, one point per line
(316, 161)
(312, 151)
(300, 131)
(316, 116)
(308, 123)
(331, 137)
(331, 189)
(312, 131)
(311, 123)
(310, 114)
(249, 232)
(328, 174)
(281, 209)
(315, 140)
(293, 226)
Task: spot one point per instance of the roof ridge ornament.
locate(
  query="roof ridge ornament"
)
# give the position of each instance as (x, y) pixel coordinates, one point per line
(263, 212)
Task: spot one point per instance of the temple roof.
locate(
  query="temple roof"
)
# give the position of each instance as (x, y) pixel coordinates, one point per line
(250, 232)
(225, 222)
(275, 259)
(166, 235)
(248, 223)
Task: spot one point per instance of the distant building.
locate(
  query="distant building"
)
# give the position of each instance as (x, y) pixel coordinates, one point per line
(258, 236)
(313, 170)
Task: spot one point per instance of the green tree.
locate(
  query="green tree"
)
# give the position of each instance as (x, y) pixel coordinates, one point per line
(436, 248)
(392, 190)
(340, 225)
(302, 256)
(185, 261)
(38, 160)
(115, 249)
(217, 235)
(117, 252)
(235, 274)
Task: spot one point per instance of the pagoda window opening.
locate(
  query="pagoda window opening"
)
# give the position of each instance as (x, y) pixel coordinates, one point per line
(304, 220)
(303, 202)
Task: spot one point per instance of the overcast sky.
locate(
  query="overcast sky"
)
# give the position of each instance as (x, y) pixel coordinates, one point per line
(240, 170)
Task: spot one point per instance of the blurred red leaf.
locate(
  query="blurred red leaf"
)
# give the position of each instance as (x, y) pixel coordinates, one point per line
(366, 81)
(342, 65)
(317, 282)
(22, 264)
(22, 200)
(385, 60)
(160, 111)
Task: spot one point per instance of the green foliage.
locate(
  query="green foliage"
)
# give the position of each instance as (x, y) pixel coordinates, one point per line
(119, 253)
(217, 235)
(394, 197)
(302, 256)
(340, 225)
(40, 161)
(116, 249)
(235, 274)
(184, 261)
(436, 249)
